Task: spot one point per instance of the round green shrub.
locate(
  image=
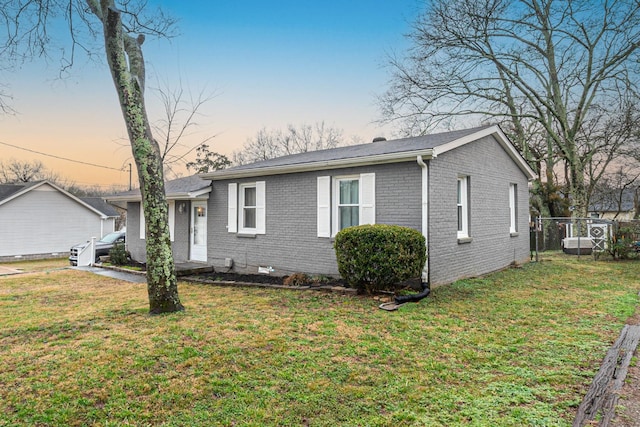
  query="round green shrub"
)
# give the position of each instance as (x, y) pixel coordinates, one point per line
(378, 257)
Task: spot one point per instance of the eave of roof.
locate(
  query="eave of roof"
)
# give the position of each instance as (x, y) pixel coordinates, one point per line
(321, 165)
(99, 203)
(19, 189)
(134, 196)
(432, 146)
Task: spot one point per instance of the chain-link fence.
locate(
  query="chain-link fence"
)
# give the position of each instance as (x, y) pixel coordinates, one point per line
(584, 236)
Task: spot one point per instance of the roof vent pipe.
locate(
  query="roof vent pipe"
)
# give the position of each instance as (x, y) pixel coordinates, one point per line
(379, 139)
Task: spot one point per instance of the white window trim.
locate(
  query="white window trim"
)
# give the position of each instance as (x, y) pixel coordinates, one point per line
(366, 201)
(235, 218)
(463, 205)
(241, 206)
(336, 199)
(513, 208)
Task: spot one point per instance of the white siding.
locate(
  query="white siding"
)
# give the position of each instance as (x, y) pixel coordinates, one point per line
(45, 221)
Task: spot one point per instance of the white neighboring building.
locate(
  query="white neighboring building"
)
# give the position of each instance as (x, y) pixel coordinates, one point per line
(615, 206)
(40, 220)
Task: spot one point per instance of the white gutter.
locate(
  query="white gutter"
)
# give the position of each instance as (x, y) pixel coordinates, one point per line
(406, 156)
(196, 195)
(425, 213)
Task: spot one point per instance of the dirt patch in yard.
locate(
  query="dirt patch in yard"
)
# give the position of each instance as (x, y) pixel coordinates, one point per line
(266, 279)
(263, 279)
(628, 408)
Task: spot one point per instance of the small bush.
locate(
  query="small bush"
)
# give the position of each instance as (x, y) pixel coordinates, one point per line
(118, 255)
(622, 244)
(378, 257)
(297, 279)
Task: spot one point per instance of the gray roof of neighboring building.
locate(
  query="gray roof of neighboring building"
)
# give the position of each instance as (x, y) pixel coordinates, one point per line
(614, 201)
(180, 188)
(99, 204)
(7, 190)
(371, 153)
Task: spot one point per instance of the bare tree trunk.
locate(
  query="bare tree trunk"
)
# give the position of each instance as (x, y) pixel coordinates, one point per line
(577, 187)
(124, 55)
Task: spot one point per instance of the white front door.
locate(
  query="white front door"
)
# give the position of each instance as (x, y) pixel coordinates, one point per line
(198, 240)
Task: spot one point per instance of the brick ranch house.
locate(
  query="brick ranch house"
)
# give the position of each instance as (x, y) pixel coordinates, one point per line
(466, 191)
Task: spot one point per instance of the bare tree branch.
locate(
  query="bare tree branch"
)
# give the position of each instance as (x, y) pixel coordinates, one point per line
(268, 144)
(543, 66)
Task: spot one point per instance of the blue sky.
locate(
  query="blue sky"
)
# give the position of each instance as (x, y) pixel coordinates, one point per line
(270, 64)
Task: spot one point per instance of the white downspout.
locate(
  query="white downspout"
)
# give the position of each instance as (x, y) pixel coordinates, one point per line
(425, 213)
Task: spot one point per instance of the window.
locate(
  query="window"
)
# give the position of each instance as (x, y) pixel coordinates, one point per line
(513, 208)
(248, 206)
(349, 201)
(463, 207)
(246, 209)
(172, 220)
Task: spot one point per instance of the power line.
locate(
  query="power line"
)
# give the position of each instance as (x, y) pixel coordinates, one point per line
(90, 184)
(61, 158)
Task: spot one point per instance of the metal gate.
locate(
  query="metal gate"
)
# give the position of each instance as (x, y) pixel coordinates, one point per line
(583, 235)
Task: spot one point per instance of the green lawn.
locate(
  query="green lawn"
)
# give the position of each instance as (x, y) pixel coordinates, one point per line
(515, 348)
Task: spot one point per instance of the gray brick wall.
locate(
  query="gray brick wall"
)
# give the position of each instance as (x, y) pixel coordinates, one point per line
(180, 244)
(492, 247)
(291, 243)
(135, 245)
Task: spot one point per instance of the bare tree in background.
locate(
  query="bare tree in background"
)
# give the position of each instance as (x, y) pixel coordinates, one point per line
(539, 67)
(5, 100)
(616, 189)
(15, 171)
(616, 142)
(268, 144)
(124, 27)
(180, 113)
